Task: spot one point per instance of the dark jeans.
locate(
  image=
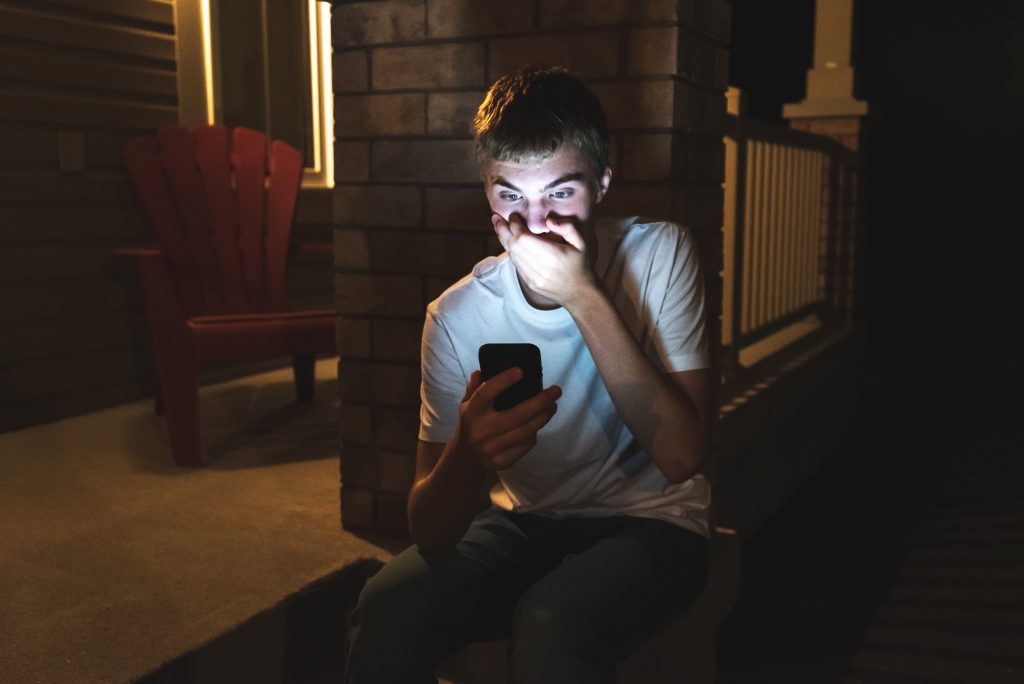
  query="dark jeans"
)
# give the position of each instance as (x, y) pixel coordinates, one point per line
(573, 595)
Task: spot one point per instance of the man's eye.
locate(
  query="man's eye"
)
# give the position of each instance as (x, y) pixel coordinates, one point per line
(562, 194)
(509, 196)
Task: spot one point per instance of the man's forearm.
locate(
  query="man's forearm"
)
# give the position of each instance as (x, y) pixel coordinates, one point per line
(662, 418)
(442, 504)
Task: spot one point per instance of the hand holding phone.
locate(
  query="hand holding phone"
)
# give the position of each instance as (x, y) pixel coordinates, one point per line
(497, 357)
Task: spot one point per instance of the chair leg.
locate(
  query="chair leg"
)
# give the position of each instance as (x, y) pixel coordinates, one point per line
(181, 397)
(304, 367)
(158, 403)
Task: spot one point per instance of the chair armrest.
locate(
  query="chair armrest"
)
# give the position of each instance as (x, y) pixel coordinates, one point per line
(312, 250)
(137, 253)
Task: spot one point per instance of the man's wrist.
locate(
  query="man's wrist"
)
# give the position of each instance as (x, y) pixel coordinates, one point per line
(461, 464)
(589, 296)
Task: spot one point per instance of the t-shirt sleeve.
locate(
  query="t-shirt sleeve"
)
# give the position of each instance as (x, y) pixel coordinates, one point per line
(680, 335)
(443, 382)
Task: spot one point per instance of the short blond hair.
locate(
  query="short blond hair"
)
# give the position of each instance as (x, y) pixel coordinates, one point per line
(529, 114)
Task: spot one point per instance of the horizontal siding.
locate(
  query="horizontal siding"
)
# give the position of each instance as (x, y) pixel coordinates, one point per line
(35, 222)
(92, 74)
(52, 299)
(160, 12)
(44, 29)
(74, 111)
(30, 262)
(28, 147)
(54, 187)
(50, 376)
(70, 336)
(19, 65)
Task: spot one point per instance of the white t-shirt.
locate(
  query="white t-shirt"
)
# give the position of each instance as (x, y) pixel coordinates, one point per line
(586, 462)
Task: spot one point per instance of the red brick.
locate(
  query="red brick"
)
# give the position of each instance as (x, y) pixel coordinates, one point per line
(711, 259)
(351, 249)
(452, 254)
(451, 18)
(429, 66)
(699, 207)
(721, 80)
(392, 517)
(572, 13)
(371, 115)
(349, 71)
(351, 161)
(646, 157)
(396, 428)
(313, 206)
(358, 508)
(397, 471)
(428, 254)
(653, 50)
(397, 340)
(425, 161)
(385, 295)
(435, 286)
(584, 54)
(721, 20)
(360, 467)
(699, 59)
(356, 425)
(395, 385)
(458, 209)
(353, 336)
(354, 380)
(698, 110)
(653, 201)
(366, 23)
(381, 205)
(637, 104)
(452, 113)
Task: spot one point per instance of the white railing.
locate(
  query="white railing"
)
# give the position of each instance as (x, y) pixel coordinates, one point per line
(789, 203)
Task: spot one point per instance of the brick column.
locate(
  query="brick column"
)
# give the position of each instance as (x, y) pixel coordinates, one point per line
(409, 211)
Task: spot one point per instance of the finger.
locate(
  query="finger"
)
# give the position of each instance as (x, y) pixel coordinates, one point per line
(532, 407)
(567, 229)
(472, 385)
(517, 224)
(490, 389)
(501, 229)
(525, 432)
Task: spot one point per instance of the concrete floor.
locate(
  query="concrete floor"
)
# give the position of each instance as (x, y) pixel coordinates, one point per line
(115, 561)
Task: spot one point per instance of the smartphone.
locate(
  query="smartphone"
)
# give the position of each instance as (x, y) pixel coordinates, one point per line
(496, 357)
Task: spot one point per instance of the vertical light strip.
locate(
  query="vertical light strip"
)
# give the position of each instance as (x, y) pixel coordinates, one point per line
(204, 11)
(313, 19)
(321, 172)
(327, 92)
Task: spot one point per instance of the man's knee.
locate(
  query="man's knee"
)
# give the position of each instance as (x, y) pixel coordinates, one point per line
(547, 619)
(396, 595)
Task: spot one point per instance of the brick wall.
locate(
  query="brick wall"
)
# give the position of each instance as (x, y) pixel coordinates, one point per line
(409, 212)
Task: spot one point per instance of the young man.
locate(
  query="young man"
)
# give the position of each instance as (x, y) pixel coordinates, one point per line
(596, 536)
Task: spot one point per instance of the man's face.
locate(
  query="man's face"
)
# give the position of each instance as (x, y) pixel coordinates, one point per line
(562, 185)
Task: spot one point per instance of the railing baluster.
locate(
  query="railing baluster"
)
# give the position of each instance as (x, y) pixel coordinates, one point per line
(787, 233)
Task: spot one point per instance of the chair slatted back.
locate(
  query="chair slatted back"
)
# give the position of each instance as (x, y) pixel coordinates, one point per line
(222, 213)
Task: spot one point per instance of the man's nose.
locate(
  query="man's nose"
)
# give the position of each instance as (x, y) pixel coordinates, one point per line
(537, 219)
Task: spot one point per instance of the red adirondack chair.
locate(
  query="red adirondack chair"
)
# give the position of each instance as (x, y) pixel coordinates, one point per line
(215, 283)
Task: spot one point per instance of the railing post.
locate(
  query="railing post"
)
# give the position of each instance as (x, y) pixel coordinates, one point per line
(735, 216)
